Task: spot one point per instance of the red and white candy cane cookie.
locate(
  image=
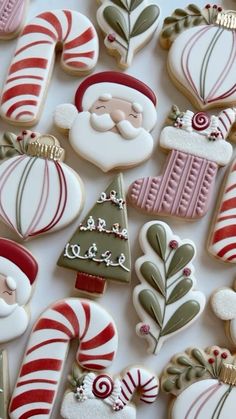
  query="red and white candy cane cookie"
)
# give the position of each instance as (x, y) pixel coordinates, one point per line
(41, 370)
(12, 13)
(28, 77)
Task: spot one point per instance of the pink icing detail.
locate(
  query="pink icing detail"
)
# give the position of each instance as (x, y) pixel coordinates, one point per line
(183, 190)
(212, 390)
(201, 121)
(11, 16)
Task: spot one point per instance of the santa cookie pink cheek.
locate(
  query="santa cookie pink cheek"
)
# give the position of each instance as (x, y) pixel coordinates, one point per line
(111, 121)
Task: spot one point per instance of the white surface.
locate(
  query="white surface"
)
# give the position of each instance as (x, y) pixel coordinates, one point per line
(54, 282)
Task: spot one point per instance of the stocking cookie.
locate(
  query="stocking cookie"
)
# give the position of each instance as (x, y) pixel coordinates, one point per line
(111, 122)
(12, 15)
(196, 38)
(223, 303)
(3, 385)
(18, 271)
(38, 193)
(127, 26)
(107, 396)
(29, 74)
(198, 148)
(99, 249)
(165, 301)
(40, 374)
(203, 383)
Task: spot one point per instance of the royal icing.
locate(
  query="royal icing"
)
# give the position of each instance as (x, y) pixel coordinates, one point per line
(28, 77)
(18, 271)
(198, 148)
(38, 193)
(111, 122)
(99, 249)
(127, 25)
(204, 383)
(165, 301)
(39, 378)
(195, 61)
(11, 17)
(3, 385)
(102, 396)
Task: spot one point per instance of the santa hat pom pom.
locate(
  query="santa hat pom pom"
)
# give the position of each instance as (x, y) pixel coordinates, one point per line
(65, 115)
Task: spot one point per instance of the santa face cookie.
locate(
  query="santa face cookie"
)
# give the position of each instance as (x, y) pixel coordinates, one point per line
(38, 193)
(165, 301)
(127, 26)
(3, 385)
(107, 396)
(111, 122)
(203, 383)
(196, 38)
(18, 271)
(197, 147)
(41, 371)
(29, 74)
(12, 14)
(99, 249)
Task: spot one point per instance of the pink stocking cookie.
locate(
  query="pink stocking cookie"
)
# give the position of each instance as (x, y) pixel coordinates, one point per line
(198, 148)
(29, 74)
(107, 396)
(38, 192)
(40, 374)
(12, 15)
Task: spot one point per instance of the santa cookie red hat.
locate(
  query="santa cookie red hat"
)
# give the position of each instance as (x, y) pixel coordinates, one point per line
(18, 263)
(118, 85)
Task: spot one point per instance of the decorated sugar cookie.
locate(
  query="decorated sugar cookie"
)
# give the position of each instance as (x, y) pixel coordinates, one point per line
(111, 121)
(197, 147)
(108, 396)
(12, 15)
(127, 26)
(29, 74)
(18, 271)
(99, 249)
(223, 302)
(40, 374)
(165, 299)
(203, 384)
(38, 193)
(201, 60)
(3, 384)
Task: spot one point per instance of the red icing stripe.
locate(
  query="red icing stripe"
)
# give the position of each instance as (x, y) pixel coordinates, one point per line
(227, 217)
(30, 29)
(52, 19)
(44, 324)
(69, 314)
(21, 89)
(34, 412)
(46, 364)
(89, 54)
(33, 62)
(32, 44)
(85, 357)
(24, 383)
(32, 396)
(148, 382)
(87, 314)
(94, 367)
(46, 342)
(226, 249)
(24, 77)
(86, 36)
(224, 233)
(19, 104)
(228, 204)
(103, 337)
(24, 113)
(76, 64)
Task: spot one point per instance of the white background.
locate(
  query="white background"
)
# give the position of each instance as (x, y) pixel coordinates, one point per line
(53, 282)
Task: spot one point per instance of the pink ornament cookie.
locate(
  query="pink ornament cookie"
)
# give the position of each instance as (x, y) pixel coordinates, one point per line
(40, 374)
(38, 192)
(30, 71)
(107, 396)
(196, 38)
(203, 383)
(12, 15)
(198, 147)
(18, 271)
(111, 121)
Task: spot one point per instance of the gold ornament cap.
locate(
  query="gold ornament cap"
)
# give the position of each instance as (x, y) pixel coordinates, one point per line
(227, 19)
(47, 147)
(228, 374)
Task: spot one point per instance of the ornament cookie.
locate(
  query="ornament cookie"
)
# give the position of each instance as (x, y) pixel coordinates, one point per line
(12, 15)
(107, 396)
(29, 74)
(128, 26)
(3, 385)
(203, 384)
(99, 249)
(165, 301)
(196, 38)
(40, 374)
(223, 302)
(198, 148)
(38, 193)
(222, 243)
(111, 121)
(18, 271)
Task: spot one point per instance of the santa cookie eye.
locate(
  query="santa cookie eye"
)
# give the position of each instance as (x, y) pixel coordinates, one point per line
(134, 116)
(8, 292)
(101, 107)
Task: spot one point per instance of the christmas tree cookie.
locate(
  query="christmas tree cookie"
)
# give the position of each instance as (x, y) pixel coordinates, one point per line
(99, 249)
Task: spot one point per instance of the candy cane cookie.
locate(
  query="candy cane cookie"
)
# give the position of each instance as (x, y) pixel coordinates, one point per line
(12, 14)
(106, 395)
(41, 370)
(29, 74)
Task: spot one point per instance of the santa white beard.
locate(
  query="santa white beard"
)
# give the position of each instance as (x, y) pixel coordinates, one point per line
(108, 150)
(13, 325)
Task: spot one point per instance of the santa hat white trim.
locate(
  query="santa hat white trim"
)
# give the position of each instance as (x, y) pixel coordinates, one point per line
(23, 290)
